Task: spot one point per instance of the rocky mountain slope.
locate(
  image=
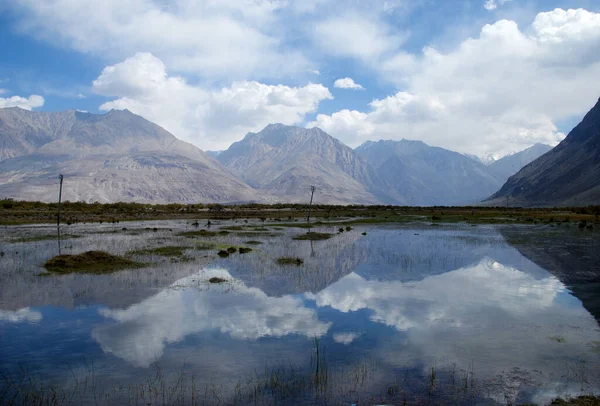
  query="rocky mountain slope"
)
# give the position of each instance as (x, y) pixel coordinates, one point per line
(509, 165)
(284, 161)
(117, 156)
(567, 175)
(426, 175)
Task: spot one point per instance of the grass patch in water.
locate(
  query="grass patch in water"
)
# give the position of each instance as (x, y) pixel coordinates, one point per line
(290, 261)
(169, 251)
(43, 238)
(94, 262)
(223, 254)
(232, 228)
(216, 279)
(203, 233)
(313, 236)
(253, 242)
(558, 339)
(245, 250)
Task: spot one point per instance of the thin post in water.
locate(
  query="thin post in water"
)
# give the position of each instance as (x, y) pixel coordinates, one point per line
(60, 177)
(312, 192)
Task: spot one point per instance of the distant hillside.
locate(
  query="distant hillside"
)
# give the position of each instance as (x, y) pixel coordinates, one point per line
(117, 156)
(567, 175)
(427, 176)
(285, 161)
(507, 166)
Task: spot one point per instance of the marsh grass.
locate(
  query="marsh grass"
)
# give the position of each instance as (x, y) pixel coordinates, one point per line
(223, 253)
(244, 250)
(312, 236)
(253, 242)
(282, 383)
(216, 279)
(48, 237)
(94, 262)
(203, 233)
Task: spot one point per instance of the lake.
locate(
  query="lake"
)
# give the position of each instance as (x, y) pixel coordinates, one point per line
(399, 314)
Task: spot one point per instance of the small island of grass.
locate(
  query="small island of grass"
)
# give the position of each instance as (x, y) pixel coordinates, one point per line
(94, 262)
(290, 261)
(313, 236)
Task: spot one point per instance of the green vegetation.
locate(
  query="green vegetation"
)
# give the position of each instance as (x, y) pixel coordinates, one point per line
(24, 212)
(579, 401)
(223, 253)
(252, 242)
(206, 245)
(169, 251)
(313, 236)
(94, 262)
(232, 250)
(290, 261)
(216, 279)
(203, 233)
(244, 250)
(558, 339)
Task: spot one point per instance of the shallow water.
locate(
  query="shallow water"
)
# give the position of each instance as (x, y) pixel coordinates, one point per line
(448, 314)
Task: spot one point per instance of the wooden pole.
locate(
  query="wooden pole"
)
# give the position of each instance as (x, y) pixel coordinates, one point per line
(312, 192)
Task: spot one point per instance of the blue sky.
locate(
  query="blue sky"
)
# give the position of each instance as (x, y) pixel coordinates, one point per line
(477, 76)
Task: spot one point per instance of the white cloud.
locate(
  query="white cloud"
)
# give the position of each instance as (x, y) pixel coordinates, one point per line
(347, 83)
(345, 338)
(19, 316)
(355, 36)
(143, 330)
(211, 119)
(497, 93)
(28, 103)
(208, 38)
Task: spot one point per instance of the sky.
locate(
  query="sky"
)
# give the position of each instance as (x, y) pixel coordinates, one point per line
(485, 77)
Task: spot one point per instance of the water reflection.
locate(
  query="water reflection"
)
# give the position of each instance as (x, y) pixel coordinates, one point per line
(19, 316)
(242, 312)
(404, 299)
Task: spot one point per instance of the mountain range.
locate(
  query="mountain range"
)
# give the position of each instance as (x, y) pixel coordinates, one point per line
(117, 156)
(568, 175)
(120, 156)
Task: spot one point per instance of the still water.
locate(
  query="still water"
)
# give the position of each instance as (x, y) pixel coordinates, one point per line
(412, 313)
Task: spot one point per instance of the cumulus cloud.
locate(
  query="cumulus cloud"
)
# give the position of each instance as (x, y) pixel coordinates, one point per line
(143, 330)
(347, 83)
(208, 38)
(493, 4)
(500, 92)
(28, 103)
(209, 118)
(356, 36)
